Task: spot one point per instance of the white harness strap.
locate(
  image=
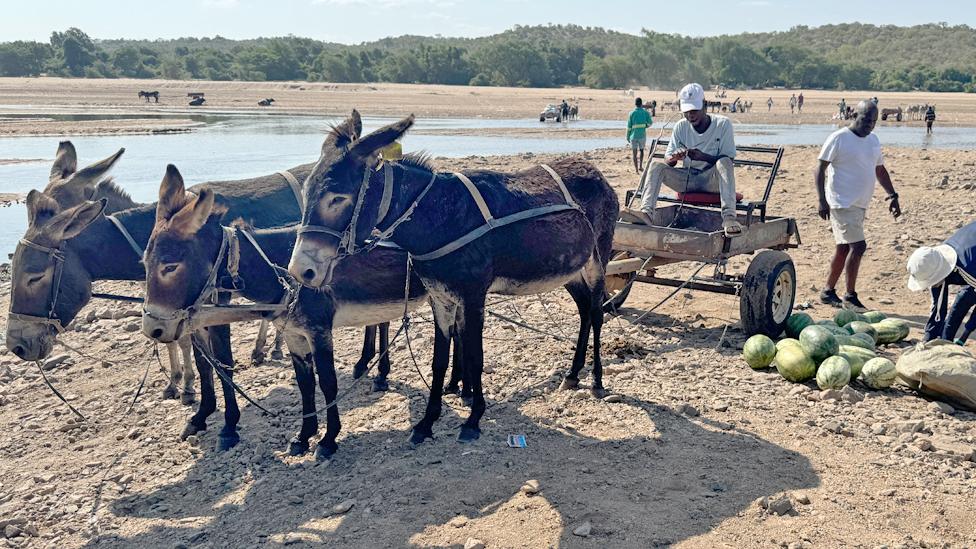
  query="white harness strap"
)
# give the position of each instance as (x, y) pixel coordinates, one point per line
(387, 192)
(295, 187)
(476, 195)
(128, 237)
(562, 186)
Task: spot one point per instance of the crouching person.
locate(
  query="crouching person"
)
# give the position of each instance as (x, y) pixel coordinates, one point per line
(937, 269)
(705, 145)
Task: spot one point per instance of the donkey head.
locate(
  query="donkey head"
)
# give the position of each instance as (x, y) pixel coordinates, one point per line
(69, 186)
(332, 191)
(48, 279)
(179, 256)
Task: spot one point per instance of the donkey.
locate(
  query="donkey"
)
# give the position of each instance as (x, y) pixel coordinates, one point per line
(460, 251)
(184, 252)
(148, 94)
(74, 246)
(266, 102)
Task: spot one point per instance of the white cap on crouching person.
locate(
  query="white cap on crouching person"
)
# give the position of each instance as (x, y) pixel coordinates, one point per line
(929, 266)
(691, 97)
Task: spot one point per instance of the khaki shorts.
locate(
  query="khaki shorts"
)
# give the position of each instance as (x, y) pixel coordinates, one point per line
(638, 143)
(847, 224)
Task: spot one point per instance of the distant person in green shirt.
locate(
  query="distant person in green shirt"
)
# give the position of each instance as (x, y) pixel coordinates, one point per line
(637, 126)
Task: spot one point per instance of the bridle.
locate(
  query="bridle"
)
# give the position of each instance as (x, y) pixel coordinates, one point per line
(55, 259)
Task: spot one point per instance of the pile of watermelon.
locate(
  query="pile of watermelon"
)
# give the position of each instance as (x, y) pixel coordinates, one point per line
(834, 352)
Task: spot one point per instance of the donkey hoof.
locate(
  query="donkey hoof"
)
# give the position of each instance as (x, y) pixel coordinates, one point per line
(169, 393)
(380, 385)
(191, 429)
(226, 441)
(569, 383)
(358, 370)
(468, 400)
(469, 434)
(420, 434)
(297, 447)
(257, 358)
(188, 398)
(452, 389)
(598, 392)
(325, 450)
(277, 355)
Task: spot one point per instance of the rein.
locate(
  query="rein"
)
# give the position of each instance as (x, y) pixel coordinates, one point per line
(56, 259)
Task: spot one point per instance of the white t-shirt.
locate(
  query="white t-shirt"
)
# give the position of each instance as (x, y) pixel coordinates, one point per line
(717, 140)
(850, 176)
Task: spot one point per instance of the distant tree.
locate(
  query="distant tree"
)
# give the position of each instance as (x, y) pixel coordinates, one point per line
(75, 50)
(513, 63)
(23, 58)
(612, 71)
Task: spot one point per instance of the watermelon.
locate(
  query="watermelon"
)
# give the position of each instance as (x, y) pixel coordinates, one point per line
(796, 323)
(856, 362)
(891, 330)
(873, 317)
(843, 317)
(759, 351)
(857, 340)
(879, 373)
(787, 341)
(835, 329)
(818, 342)
(793, 363)
(833, 373)
(861, 327)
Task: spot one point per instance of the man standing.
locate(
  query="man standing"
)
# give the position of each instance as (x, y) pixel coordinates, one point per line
(705, 144)
(637, 126)
(799, 103)
(843, 108)
(792, 103)
(769, 104)
(937, 268)
(850, 161)
(929, 119)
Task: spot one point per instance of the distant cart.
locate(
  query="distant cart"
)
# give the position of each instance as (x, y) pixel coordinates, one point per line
(684, 230)
(196, 99)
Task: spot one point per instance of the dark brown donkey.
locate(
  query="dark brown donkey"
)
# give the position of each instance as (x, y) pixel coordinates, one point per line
(184, 252)
(456, 227)
(71, 247)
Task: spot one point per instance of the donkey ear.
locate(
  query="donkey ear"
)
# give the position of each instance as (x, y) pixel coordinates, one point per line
(40, 208)
(367, 146)
(69, 223)
(345, 133)
(194, 215)
(66, 161)
(172, 194)
(99, 168)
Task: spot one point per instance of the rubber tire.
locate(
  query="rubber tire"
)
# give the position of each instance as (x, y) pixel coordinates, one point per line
(542, 119)
(756, 300)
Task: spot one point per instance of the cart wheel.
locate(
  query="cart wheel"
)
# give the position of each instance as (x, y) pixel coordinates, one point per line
(617, 286)
(768, 290)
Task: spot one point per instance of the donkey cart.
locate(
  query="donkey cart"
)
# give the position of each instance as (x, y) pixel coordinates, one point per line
(689, 228)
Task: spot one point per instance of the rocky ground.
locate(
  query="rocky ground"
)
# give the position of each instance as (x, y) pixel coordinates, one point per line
(691, 449)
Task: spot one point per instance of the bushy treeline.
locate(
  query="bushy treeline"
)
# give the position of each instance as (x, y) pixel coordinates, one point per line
(853, 56)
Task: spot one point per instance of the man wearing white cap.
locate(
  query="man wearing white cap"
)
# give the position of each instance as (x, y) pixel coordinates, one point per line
(705, 144)
(936, 268)
(850, 163)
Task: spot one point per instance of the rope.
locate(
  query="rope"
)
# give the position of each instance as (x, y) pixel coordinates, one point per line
(58, 393)
(672, 294)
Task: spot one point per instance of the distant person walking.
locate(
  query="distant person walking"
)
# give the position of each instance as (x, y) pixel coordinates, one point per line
(637, 126)
(793, 104)
(842, 107)
(929, 119)
(850, 162)
(769, 104)
(799, 103)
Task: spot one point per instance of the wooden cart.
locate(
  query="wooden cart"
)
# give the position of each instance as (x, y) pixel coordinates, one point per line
(684, 231)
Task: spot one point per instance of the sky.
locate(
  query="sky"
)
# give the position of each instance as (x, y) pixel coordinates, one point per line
(355, 21)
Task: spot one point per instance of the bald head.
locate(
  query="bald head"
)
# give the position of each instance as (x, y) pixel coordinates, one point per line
(867, 117)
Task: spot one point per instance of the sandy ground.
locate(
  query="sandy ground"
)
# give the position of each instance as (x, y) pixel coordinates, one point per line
(58, 95)
(41, 126)
(687, 457)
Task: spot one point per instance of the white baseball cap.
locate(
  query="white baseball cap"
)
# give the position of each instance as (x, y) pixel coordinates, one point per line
(691, 97)
(930, 265)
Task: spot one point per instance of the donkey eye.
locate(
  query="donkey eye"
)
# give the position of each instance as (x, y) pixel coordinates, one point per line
(336, 201)
(169, 268)
(35, 279)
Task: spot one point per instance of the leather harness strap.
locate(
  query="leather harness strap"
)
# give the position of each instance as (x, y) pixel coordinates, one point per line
(296, 187)
(128, 237)
(387, 191)
(476, 195)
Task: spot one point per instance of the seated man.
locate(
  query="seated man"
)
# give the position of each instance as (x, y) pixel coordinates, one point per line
(936, 268)
(705, 145)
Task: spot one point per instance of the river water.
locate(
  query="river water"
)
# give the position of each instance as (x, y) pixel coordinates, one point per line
(234, 146)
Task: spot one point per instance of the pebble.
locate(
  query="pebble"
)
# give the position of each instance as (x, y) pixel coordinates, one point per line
(54, 361)
(474, 543)
(583, 530)
(942, 408)
(133, 327)
(781, 506)
(341, 508)
(531, 487)
(802, 498)
(688, 410)
(613, 398)
(799, 390)
(720, 406)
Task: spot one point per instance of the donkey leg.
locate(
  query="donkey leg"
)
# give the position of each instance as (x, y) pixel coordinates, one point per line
(208, 399)
(596, 318)
(175, 370)
(369, 351)
(443, 320)
(276, 345)
(471, 336)
(322, 355)
(220, 343)
(380, 382)
(305, 378)
(188, 391)
(257, 354)
(582, 295)
(454, 384)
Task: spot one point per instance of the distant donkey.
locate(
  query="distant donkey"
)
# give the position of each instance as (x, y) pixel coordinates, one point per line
(265, 102)
(148, 94)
